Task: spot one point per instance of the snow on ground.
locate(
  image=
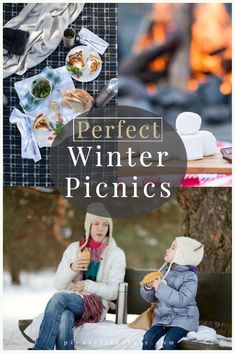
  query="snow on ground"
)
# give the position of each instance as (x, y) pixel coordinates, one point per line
(24, 302)
(29, 300)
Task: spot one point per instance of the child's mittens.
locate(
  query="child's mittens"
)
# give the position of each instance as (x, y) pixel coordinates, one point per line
(156, 283)
(150, 277)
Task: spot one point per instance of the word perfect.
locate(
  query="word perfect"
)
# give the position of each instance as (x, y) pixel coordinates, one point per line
(118, 130)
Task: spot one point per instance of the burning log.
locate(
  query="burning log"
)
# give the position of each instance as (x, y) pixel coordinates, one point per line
(179, 70)
(184, 44)
(138, 64)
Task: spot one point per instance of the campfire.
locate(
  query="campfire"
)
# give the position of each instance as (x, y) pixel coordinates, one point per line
(211, 50)
(194, 40)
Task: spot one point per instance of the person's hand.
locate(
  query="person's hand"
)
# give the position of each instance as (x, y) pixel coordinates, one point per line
(156, 283)
(80, 264)
(77, 287)
(149, 284)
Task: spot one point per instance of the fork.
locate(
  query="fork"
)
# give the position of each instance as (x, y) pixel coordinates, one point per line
(95, 44)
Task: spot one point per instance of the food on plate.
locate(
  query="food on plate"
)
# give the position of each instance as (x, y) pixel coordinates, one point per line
(55, 107)
(41, 88)
(150, 277)
(94, 63)
(40, 123)
(76, 99)
(83, 63)
(76, 63)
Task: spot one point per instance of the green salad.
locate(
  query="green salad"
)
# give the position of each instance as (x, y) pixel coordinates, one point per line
(58, 127)
(74, 70)
(42, 89)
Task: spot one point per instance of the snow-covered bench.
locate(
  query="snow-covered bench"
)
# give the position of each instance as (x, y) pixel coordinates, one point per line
(213, 298)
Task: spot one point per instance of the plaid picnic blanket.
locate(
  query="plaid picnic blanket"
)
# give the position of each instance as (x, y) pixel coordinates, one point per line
(101, 19)
(29, 103)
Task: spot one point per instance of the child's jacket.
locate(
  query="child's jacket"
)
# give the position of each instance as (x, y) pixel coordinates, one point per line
(176, 305)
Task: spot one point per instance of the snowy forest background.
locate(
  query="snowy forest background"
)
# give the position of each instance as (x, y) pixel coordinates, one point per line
(39, 224)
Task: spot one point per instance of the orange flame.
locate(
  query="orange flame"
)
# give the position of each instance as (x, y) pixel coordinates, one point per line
(161, 25)
(211, 43)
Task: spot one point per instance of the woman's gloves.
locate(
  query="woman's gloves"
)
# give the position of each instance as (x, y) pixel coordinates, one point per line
(77, 287)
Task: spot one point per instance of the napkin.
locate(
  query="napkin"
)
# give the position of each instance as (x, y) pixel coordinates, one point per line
(89, 38)
(29, 145)
(31, 141)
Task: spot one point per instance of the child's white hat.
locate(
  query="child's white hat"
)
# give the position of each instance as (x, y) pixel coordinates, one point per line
(188, 251)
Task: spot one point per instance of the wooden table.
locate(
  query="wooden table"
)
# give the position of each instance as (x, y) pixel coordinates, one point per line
(208, 165)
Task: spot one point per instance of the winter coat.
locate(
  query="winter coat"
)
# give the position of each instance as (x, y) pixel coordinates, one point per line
(111, 272)
(176, 305)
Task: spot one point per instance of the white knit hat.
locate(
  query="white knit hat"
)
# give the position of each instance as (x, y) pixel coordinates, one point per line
(97, 210)
(188, 251)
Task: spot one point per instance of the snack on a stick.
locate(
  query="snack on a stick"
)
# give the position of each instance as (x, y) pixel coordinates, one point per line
(76, 99)
(55, 107)
(94, 63)
(86, 255)
(150, 277)
(40, 123)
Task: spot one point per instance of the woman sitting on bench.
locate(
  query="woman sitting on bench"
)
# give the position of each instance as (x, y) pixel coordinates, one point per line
(87, 279)
(176, 312)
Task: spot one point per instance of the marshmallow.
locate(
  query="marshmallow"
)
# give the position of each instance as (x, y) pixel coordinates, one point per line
(188, 123)
(208, 142)
(193, 147)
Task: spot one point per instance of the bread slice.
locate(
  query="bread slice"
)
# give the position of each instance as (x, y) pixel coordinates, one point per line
(94, 63)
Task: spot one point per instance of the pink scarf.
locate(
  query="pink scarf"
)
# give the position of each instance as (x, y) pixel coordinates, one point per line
(93, 309)
(93, 306)
(95, 247)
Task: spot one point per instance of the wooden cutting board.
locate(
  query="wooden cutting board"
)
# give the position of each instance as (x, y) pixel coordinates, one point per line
(208, 165)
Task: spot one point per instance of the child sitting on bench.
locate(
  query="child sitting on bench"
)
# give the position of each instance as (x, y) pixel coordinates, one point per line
(176, 312)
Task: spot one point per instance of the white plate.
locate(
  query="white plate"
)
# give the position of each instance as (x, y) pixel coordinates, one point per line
(86, 76)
